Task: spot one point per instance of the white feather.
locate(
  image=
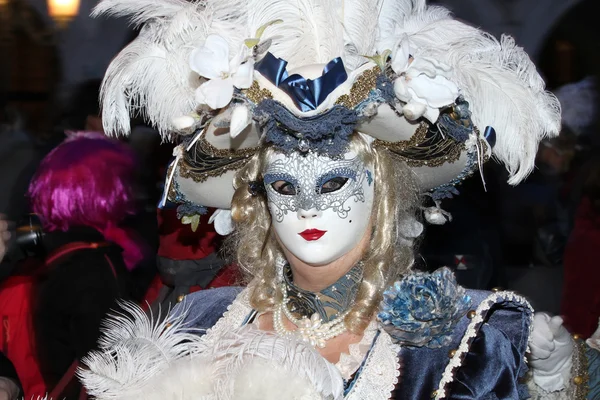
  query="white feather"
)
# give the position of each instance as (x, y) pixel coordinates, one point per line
(141, 11)
(360, 30)
(239, 353)
(287, 35)
(311, 31)
(151, 76)
(497, 78)
(392, 16)
(133, 349)
(140, 358)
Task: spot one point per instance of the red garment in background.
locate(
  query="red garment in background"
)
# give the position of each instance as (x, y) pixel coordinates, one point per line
(16, 333)
(178, 242)
(580, 305)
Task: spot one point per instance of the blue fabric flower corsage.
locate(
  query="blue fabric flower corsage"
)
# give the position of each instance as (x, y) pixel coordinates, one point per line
(422, 309)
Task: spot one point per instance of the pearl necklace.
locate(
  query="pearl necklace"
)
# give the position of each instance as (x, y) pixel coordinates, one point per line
(310, 330)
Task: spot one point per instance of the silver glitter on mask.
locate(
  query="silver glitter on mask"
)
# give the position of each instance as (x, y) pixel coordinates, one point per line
(307, 173)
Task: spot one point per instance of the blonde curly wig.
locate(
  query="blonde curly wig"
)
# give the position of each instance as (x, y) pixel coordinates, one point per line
(389, 254)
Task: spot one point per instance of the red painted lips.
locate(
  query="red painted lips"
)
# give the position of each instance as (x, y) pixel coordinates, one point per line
(312, 234)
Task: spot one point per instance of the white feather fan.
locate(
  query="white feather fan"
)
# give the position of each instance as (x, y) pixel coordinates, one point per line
(134, 348)
(142, 359)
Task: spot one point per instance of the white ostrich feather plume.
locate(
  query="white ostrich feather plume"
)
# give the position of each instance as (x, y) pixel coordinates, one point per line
(152, 77)
(140, 358)
(360, 20)
(497, 78)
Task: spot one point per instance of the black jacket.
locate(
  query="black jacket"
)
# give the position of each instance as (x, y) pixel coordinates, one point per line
(72, 299)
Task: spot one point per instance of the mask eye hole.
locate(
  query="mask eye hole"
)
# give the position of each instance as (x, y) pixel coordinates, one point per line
(333, 184)
(284, 187)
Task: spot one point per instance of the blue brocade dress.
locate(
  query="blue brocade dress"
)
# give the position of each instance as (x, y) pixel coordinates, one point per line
(484, 360)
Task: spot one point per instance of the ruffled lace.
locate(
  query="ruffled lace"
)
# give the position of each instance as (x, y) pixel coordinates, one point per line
(349, 362)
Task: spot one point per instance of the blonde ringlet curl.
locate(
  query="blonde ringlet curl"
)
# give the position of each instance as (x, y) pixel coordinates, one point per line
(388, 257)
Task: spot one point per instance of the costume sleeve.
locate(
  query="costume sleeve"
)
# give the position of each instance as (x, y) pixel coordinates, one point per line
(485, 359)
(490, 369)
(96, 300)
(203, 309)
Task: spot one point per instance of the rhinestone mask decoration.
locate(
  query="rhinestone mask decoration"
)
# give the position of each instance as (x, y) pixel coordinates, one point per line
(309, 174)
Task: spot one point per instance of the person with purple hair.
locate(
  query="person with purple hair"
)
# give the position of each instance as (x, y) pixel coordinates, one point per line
(82, 192)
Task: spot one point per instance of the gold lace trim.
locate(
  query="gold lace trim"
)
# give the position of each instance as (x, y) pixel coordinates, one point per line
(361, 89)
(256, 94)
(205, 161)
(423, 150)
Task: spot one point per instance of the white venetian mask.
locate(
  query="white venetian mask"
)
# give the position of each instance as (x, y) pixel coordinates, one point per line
(320, 207)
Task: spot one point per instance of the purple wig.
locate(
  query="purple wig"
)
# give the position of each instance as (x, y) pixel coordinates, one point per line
(87, 180)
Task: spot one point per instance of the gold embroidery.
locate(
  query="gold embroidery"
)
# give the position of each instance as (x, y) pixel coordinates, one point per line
(255, 94)
(172, 190)
(424, 149)
(579, 371)
(361, 89)
(427, 148)
(204, 161)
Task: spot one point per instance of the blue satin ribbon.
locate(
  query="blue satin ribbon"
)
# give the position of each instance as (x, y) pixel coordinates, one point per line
(490, 135)
(307, 94)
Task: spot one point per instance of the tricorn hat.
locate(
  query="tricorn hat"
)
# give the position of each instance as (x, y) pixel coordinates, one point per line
(230, 76)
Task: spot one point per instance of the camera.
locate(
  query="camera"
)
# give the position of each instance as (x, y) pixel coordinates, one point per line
(29, 236)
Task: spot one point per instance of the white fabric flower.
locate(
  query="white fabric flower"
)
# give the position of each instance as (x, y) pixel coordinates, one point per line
(212, 62)
(435, 215)
(223, 222)
(422, 83)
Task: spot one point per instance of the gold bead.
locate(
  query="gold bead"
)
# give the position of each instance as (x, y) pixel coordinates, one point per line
(452, 353)
(578, 380)
(471, 314)
(497, 289)
(576, 336)
(435, 392)
(180, 298)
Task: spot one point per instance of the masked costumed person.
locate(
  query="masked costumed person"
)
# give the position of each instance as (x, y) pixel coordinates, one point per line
(314, 126)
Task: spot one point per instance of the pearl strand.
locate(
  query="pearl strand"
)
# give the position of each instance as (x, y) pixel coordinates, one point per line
(313, 330)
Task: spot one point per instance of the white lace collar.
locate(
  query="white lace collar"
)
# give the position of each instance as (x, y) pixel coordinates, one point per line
(378, 374)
